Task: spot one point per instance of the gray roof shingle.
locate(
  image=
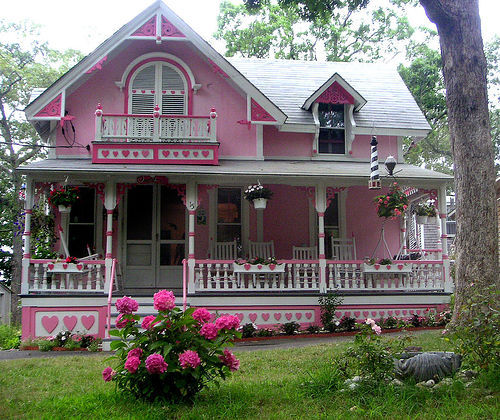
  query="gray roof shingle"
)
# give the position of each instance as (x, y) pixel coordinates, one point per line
(289, 83)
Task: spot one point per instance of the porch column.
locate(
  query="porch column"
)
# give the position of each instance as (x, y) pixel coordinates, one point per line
(109, 205)
(448, 281)
(320, 205)
(191, 205)
(28, 210)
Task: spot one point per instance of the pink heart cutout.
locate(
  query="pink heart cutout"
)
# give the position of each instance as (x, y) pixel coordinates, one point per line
(196, 154)
(70, 322)
(400, 266)
(382, 313)
(50, 266)
(145, 153)
(65, 266)
(50, 323)
(348, 314)
(389, 313)
(125, 153)
(366, 313)
(105, 153)
(298, 315)
(88, 321)
(259, 266)
(176, 154)
(272, 267)
(288, 316)
(377, 266)
(338, 314)
(135, 154)
(397, 312)
(79, 266)
(374, 313)
(277, 316)
(247, 266)
(205, 153)
(308, 315)
(265, 317)
(253, 317)
(172, 92)
(357, 314)
(240, 316)
(388, 267)
(185, 153)
(418, 312)
(165, 152)
(115, 153)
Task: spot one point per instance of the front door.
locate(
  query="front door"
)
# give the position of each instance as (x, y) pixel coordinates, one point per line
(155, 238)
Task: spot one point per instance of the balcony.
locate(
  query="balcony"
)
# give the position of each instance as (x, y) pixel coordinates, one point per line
(155, 138)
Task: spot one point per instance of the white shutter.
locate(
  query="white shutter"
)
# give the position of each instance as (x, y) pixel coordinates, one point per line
(145, 79)
(173, 104)
(142, 99)
(174, 95)
(142, 103)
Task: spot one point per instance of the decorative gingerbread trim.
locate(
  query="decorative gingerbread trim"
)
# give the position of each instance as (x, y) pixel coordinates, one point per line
(146, 179)
(52, 109)
(97, 66)
(260, 114)
(217, 70)
(99, 190)
(170, 30)
(330, 193)
(148, 29)
(120, 191)
(335, 94)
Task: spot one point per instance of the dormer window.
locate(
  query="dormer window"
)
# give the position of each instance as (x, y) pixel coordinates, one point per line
(158, 83)
(332, 128)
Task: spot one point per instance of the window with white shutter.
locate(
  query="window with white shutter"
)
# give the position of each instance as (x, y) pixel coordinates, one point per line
(158, 83)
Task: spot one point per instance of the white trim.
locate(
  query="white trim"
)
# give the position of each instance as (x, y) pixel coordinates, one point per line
(316, 130)
(342, 210)
(249, 108)
(298, 128)
(349, 125)
(401, 158)
(63, 108)
(51, 140)
(358, 99)
(121, 83)
(381, 131)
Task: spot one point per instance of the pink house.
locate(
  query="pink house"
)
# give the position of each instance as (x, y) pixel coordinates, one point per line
(163, 135)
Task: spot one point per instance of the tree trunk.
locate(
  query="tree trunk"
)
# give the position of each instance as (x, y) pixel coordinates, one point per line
(464, 70)
(17, 248)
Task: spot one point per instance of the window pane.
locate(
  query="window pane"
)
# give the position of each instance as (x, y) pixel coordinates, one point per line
(172, 254)
(331, 224)
(173, 215)
(138, 254)
(79, 236)
(140, 213)
(331, 115)
(83, 210)
(331, 141)
(229, 206)
(228, 233)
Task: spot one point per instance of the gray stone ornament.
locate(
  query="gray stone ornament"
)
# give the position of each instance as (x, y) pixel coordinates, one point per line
(426, 366)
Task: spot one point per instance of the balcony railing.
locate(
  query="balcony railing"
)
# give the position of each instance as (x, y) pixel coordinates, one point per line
(155, 127)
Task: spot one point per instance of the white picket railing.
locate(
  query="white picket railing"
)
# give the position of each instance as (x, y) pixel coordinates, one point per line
(155, 127)
(43, 277)
(217, 275)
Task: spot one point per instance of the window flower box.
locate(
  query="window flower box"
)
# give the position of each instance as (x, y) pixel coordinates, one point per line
(64, 267)
(258, 268)
(396, 267)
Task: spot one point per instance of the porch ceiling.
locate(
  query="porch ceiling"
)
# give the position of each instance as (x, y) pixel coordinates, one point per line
(267, 171)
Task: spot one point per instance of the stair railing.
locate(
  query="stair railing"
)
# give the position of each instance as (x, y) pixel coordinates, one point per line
(110, 297)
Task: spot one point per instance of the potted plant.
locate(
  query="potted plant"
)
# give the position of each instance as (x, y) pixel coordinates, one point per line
(259, 195)
(392, 204)
(422, 213)
(63, 198)
(431, 214)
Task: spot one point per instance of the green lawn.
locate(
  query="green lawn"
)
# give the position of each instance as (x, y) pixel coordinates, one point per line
(281, 384)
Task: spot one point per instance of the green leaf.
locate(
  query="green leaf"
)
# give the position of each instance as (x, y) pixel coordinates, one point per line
(117, 345)
(115, 333)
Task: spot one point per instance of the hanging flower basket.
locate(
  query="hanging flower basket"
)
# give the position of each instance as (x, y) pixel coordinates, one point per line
(63, 198)
(259, 195)
(422, 219)
(425, 212)
(393, 204)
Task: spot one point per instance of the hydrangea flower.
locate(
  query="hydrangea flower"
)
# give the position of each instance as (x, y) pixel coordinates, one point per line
(164, 300)
(132, 364)
(126, 305)
(202, 315)
(230, 360)
(137, 352)
(227, 322)
(122, 322)
(155, 364)
(108, 374)
(148, 322)
(189, 358)
(209, 331)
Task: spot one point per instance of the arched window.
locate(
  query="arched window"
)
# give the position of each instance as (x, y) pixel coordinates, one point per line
(158, 83)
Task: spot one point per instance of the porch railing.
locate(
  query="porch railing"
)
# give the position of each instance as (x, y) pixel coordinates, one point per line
(218, 276)
(51, 276)
(301, 275)
(155, 127)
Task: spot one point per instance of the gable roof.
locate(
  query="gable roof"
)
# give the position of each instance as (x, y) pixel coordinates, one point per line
(290, 83)
(130, 31)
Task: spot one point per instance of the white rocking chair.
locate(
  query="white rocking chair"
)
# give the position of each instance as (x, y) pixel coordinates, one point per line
(305, 253)
(224, 251)
(261, 249)
(343, 249)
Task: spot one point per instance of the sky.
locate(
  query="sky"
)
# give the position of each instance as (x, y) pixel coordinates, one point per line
(83, 25)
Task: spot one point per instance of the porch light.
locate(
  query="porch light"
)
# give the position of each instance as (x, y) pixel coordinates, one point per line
(390, 164)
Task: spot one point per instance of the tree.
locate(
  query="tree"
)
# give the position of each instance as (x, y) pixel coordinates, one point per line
(263, 28)
(24, 64)
(464, 71)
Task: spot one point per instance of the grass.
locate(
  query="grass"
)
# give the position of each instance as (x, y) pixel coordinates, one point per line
(278, 384)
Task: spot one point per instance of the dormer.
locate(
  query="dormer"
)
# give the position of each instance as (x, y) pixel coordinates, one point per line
(332, 107)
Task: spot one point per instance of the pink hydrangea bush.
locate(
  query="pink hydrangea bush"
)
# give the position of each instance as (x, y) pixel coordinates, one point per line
(173, 355)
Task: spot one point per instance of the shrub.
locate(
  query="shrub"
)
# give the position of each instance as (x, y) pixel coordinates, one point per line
(248, 330)
(347, 323)
(416, 320)
(390, 322)
(175, 355)
(95, 345)
(313, 329)
(290, 328)
(264, 332)
(10, 337)
(45, 345)
(328, 306)
(62, 338)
